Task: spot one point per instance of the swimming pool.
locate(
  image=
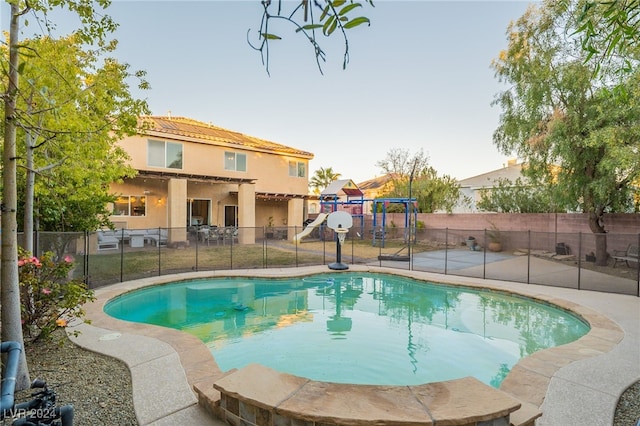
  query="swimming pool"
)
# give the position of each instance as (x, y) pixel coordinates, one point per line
(366, 328)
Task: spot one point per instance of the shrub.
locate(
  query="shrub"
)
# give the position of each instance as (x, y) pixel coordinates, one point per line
(49, 299)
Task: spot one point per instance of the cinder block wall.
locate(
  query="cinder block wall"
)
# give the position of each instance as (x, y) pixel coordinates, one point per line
(618, 223)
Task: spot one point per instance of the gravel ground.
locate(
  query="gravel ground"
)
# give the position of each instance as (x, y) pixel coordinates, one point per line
(99, 387)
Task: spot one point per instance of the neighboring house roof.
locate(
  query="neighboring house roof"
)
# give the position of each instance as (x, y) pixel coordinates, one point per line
(512, 172)
(346, 186)
(376, 183)
(197, 131)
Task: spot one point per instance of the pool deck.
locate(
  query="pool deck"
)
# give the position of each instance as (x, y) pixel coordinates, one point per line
(575, 384)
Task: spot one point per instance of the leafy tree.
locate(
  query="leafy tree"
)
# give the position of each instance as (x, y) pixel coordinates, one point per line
(311, 18)
(412, 172)
(93, 29)
(75, 111)
(322, 178)
(610, 31)
(521, 196)
(576, 129)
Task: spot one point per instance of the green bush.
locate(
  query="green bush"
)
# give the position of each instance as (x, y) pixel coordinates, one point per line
(49, 299)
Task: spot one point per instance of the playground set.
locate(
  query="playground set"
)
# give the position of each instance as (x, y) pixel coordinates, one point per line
(344, 195)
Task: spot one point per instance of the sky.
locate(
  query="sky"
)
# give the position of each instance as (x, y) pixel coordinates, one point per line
(418, 77)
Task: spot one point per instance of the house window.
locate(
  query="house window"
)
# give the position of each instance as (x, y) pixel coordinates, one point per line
(297, 169)
(130, 205)
(164, 154)
(235, 161)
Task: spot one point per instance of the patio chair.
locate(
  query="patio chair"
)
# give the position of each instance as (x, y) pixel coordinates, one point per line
(230, 233)
(107, 240)
(157, 236)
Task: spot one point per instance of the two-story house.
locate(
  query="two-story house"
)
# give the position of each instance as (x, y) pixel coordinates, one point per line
(193, 173)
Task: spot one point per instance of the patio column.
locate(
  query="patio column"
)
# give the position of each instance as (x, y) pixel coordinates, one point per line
(295, 215)
(247, 213)
(177, 210)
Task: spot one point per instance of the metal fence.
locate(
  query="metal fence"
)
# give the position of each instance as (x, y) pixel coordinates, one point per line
(551, 259)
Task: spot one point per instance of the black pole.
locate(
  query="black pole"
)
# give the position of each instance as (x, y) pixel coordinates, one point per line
(338, 265)
(410, 213)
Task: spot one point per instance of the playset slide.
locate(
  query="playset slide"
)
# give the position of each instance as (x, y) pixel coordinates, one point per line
(310, 227)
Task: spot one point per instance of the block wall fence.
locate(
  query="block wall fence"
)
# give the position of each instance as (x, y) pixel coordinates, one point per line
(619, 223)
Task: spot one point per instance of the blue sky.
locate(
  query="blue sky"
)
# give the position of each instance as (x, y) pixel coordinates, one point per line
(418, 77)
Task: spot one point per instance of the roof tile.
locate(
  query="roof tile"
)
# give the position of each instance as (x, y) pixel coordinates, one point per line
(208, 133)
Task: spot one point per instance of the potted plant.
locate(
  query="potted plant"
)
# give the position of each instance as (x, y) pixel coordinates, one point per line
(269, 230)
(495, 239)
(472, 243)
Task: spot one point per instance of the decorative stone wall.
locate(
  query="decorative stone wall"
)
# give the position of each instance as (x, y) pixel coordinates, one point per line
(259, 396)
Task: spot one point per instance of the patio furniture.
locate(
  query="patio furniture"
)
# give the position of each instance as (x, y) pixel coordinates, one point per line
(156, 236)
(229, 233)
(136, 238)
(628, 255)
(107, 240)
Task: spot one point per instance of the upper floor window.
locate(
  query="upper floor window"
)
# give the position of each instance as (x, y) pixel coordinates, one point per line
(235, 161)
(297, 169)
(164, 154)
(130, 205)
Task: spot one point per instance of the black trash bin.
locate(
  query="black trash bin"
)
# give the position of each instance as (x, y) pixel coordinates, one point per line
(562, 248)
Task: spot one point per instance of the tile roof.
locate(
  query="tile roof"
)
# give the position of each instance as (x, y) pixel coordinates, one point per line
(347, 186)
(208, 133)
(376, 183)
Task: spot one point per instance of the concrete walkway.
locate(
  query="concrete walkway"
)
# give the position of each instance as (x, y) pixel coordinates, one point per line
(166, 365)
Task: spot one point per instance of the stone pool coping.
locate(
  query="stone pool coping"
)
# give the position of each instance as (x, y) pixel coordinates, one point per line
(527, 382)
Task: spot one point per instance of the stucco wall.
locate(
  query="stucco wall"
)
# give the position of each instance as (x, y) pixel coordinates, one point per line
(270, 171)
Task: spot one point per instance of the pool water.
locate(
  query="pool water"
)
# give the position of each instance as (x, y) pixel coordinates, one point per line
(355, 328)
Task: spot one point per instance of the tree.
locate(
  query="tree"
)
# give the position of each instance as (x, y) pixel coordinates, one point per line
(94, 27)
(73, 111)
(610, 30)
(521, 196)
(333, 15)
(431, 192)
(576, 129)
(322, 178)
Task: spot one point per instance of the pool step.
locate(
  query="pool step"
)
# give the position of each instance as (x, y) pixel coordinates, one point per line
(526, 415)
(257, 394)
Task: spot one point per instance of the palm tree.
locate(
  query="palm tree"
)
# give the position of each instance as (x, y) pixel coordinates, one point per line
(322, 178)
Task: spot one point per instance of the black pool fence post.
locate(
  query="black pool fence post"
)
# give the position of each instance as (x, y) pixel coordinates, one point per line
(638, 271)
(484, 256)
(121, 254)
(85, 259)
(411, 237)
(265, 262)
(295, 232)
(446, 249)
(579, 258)
(231, 251)
(352, 251)
(197, 265)
(159, 245)
(529, 256)
(324, 247)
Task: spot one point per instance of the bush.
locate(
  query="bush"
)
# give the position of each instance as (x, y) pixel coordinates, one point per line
(48, 298)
